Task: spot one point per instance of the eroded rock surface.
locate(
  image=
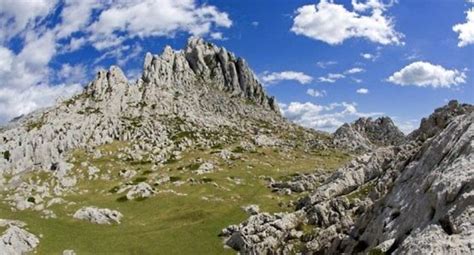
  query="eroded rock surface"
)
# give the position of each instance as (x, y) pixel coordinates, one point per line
(366, 134)
(413, 198)
(98, 215)
(16, 240)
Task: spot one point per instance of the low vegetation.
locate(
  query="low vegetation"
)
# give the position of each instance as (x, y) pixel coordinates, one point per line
(182, 212)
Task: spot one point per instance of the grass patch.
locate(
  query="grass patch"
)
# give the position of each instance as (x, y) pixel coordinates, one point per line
(139, 179)
(175, 178)
(361, 192)
(168, 223)
(238, 149)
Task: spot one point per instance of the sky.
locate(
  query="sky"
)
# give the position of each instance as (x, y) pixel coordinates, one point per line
(326, 61)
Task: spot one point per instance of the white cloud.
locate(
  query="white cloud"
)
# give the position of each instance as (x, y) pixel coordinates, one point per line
(218, 36)
(71, 74)
(156, 18)
(324, 64)
(14, 103)
(367, 56)
(333, 23)
(331, 77)
(322, 117)
(424, 74)
(255, 23)
(371, 4)
(466, 30)
(76, 15)
(354, 70)
(362, 91)
(270, 78)
(316, 93)
(16, 16)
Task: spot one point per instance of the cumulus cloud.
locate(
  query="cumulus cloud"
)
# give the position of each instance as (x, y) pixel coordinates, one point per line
(362, 91)
(16, 16)
(14, 103)
(466, 30)
(322, 117)
(333, 23)
(275, 77)
(316, 93)
(156, 18)
(424, 74)
(72, 74)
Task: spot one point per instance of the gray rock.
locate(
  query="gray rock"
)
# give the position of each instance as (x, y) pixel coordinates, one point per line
(141, 190)
(251, 209)
(16, 240)
(98, 215)
(366, 134)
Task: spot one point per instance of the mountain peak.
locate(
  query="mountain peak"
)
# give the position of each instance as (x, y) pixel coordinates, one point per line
(365, 133)
(204, 62)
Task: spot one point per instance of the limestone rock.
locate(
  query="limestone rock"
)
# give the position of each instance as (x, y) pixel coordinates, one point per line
(16, 240)
(366, 134)
(98, 215)
(204, 168)
(141, 190)
(251, 209)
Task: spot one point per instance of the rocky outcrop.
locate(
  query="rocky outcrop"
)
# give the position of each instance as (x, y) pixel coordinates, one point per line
(437, 121)
(205, 62)
(98, 215)
(366, 134)
(416, 197)
(140, 191)
(181, 98)
(262, 233)
(15, 240)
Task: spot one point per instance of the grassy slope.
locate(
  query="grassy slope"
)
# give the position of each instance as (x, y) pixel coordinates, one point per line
(167, 223)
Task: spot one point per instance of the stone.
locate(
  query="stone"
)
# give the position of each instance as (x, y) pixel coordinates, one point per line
(140, 190)
(366, 134)
(98, 215)
(16, 240)
(251, 209)
(205, 168)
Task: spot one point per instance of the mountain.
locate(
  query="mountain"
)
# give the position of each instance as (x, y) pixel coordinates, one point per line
(366, 134)
(197, 120)
(416, 197)
(163, 164)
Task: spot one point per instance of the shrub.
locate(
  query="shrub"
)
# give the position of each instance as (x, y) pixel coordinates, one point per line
(6, 155)
(122, 199)
(175, 178)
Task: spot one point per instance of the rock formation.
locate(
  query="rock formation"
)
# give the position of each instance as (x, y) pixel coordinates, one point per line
(367, 134)
(416, 197)
(15, 240)
(98, 215)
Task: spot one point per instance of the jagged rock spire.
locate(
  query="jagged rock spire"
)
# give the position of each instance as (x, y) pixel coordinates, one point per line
(205, 62)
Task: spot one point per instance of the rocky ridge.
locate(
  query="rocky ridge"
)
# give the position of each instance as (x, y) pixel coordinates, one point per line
(366, 134)
(416, 197)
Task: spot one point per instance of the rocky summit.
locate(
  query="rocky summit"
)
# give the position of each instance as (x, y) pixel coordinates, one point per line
(195, 158)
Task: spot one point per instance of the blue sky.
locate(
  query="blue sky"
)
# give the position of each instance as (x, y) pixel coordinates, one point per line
(326, 62)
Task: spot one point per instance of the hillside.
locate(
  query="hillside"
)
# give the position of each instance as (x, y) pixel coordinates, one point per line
(195, 158)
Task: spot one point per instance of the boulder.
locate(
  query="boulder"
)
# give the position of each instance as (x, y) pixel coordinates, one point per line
(98, 215)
